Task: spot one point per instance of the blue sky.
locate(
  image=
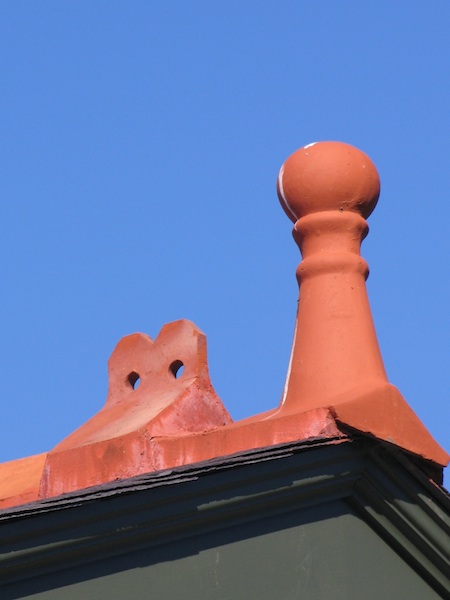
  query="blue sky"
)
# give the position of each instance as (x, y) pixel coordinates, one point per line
(140, 144)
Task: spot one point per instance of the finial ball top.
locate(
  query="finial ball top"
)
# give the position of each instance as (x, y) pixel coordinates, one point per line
(328, 176)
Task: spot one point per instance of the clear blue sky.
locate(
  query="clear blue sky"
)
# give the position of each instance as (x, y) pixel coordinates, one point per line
(140, 143)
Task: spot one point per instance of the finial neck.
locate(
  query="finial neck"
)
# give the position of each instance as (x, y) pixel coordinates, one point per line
(330, 241)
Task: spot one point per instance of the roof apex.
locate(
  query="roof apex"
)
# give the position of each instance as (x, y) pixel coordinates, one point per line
(336, 381)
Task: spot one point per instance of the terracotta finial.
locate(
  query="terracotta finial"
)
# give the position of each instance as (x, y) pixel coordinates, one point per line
(328, 189)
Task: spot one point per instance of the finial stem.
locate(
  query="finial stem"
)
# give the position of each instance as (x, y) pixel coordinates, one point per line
(335, 346)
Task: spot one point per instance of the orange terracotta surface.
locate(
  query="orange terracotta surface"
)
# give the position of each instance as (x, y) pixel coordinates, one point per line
(20, 480)
(328, 189)
(336, 380)
(117, 442)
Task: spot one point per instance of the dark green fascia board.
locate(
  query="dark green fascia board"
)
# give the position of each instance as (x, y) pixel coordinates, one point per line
(378, 481)
(413, 519)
